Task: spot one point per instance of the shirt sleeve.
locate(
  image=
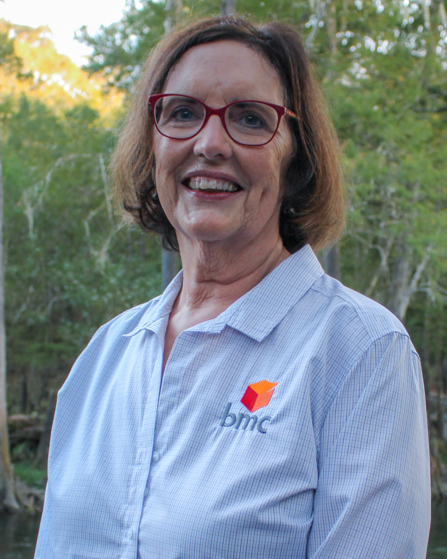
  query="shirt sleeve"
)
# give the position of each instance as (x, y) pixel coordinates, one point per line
(373, 493)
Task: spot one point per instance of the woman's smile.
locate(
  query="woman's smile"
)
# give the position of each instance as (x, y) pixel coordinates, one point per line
(205, 181)
(205, 184)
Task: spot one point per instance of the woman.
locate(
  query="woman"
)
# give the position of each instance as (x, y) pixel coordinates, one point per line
(258, 408)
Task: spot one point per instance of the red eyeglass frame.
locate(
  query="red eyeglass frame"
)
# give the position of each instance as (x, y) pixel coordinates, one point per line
(281, 111)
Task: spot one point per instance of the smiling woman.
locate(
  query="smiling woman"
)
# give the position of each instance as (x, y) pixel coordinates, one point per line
(312, 207)
(243, 216)
(257, 408)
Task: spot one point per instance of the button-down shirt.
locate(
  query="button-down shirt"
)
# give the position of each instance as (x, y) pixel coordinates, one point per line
(327, 459)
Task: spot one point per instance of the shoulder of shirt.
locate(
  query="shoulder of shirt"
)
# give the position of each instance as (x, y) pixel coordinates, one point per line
(376, 320)
(107, 342)
(129, 319)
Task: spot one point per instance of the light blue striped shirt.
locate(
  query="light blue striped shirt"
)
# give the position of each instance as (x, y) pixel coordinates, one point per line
(334, 465)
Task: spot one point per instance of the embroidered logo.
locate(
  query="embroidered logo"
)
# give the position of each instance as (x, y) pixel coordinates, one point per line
(258, 395)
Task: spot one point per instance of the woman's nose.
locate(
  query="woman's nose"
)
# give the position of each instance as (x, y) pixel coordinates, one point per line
(213, 141)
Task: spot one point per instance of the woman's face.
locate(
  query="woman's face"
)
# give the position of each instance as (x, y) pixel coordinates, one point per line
(243, 204)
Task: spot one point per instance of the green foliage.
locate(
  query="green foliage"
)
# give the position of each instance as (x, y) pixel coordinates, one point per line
(120, 48)
(395, 150)
(32, 476)
(8, 56)
(69, 265)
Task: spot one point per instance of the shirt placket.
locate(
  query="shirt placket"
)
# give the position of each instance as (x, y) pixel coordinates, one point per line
(139, 478)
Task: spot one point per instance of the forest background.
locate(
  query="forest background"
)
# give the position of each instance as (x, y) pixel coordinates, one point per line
(69, 263)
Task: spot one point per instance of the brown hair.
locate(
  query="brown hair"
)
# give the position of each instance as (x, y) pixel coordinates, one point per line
(312, 209)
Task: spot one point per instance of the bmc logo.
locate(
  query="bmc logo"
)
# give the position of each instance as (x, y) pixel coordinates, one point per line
(243, 420)
(258, 395)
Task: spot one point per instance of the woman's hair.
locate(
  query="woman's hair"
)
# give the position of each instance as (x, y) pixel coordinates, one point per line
(312, 209)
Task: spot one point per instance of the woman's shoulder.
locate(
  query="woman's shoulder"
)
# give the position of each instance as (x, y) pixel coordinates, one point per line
(142, 316)
(357, 310)
(126, 322)
(323, 303)
(109, 343)
(117, 331)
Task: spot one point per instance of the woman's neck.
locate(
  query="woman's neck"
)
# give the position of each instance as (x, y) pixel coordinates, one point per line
(213, 278)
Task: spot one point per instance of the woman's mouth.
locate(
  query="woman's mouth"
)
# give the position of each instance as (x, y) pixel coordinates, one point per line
(208, 184)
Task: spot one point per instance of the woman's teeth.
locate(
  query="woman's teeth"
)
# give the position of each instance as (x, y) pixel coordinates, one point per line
(201, 183)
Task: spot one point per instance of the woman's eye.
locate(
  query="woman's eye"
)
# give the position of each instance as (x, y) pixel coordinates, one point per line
(183, 114)
(252, 120)
(246, 117)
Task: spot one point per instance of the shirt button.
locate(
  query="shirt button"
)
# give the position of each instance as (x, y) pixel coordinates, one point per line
(130, 533)
(155, 456)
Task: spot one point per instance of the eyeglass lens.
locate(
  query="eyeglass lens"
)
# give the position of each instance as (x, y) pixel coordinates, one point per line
(250, 123)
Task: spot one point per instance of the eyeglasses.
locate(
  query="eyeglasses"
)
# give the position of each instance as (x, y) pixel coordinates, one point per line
(249, 123)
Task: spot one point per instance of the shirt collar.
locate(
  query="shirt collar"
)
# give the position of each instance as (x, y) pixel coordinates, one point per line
(263, 307)
(256, 313)
(156, 316)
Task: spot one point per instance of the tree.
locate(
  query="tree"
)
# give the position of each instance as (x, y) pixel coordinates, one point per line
(81, 267)
(7, 490)
(120, 48)
(69, 266)
(385, 94)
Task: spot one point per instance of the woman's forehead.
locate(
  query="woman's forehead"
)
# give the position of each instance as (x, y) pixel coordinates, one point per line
(228, 68)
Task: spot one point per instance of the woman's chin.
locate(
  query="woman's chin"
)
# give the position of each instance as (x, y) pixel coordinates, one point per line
(211, 231)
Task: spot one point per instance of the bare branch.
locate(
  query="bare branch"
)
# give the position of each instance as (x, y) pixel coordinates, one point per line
(413, 287)
(107, 193)
(384, 255)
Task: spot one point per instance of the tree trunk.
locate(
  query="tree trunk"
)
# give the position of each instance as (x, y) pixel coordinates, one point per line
(44, 443)
(7, 490)
(169, 266)
(228, 7)
(405, 279)
(331, 261)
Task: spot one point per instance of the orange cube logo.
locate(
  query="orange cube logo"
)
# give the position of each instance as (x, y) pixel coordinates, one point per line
(258, 395)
